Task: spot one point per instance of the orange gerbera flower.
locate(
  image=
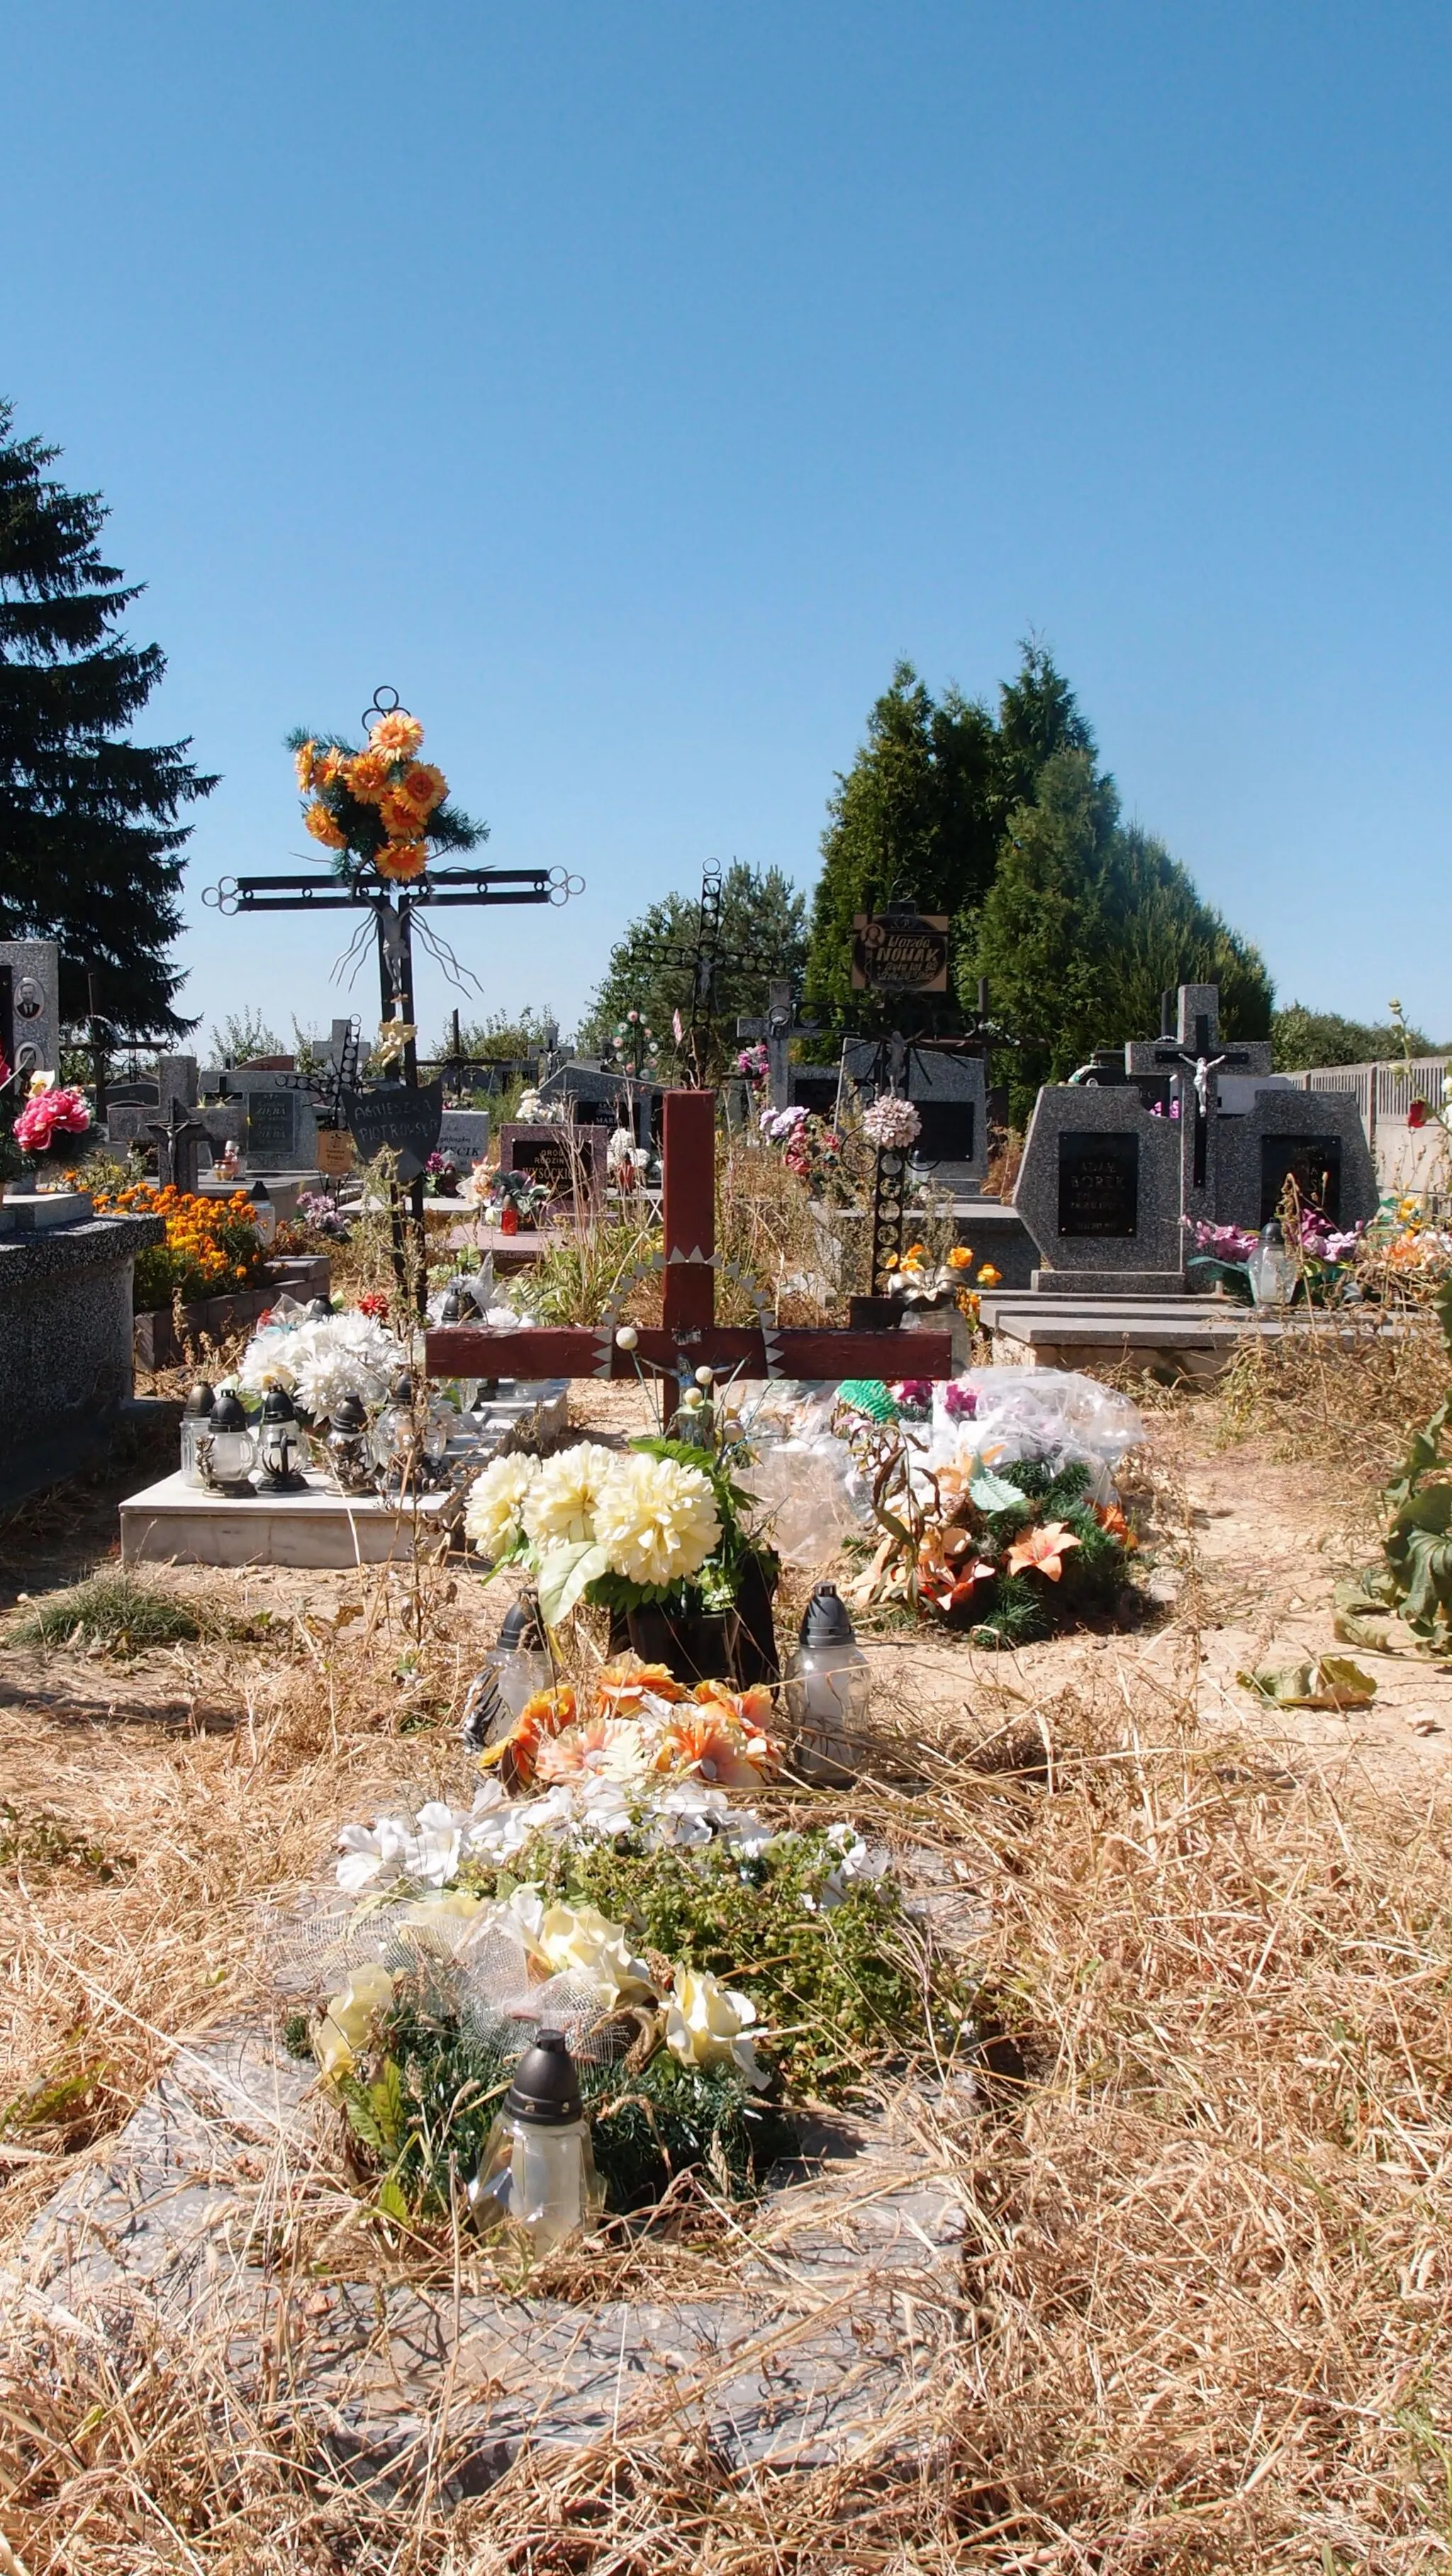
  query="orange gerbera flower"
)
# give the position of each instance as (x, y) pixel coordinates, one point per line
(421, 788)
(396, 733)
(1042, 1550)
(623, 1684)
(399, 819)
(305, 763)
(329, 766)
(325, 828)
(369, 776)
(703, 1739)
(401, 861)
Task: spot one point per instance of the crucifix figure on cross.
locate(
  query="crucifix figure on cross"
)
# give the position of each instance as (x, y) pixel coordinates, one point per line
(688, 1336)
(1191, 1050)
(177, 1141)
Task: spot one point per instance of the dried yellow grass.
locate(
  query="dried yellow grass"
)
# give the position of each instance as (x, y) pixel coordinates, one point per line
(1207, 2297)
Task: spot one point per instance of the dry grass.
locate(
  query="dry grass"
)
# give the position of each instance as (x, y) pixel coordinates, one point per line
(1207, 2303)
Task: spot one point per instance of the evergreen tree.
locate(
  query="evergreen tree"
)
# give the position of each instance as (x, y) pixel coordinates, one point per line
(1304, 1039)
(89, 841)
(762, 915)
(1087, 923)
(920, 817)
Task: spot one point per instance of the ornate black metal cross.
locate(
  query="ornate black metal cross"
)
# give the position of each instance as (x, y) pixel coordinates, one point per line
(704, 959)
(778, 1028)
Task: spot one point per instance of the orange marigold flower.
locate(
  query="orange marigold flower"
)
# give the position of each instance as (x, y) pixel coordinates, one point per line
(369, 776)
(396, 733)
(401, 861)
(325, 828)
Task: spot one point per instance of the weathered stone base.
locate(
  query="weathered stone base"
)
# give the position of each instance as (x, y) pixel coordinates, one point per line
(840, 2317)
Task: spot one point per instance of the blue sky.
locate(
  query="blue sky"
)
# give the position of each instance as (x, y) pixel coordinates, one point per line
(630, 385)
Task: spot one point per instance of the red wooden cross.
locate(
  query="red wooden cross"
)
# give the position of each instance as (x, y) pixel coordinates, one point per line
(690, 1336)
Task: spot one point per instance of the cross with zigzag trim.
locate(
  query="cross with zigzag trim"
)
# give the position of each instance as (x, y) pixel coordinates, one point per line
(689, 1337)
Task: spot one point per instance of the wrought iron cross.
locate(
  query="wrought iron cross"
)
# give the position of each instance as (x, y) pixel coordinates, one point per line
(778, 1028)
(704, 959)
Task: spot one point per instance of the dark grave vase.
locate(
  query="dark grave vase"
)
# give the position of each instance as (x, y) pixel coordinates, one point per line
(736, 1645)
(874, 1314)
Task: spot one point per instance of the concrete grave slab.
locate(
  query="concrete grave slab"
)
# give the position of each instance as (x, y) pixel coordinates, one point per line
(846, 2310)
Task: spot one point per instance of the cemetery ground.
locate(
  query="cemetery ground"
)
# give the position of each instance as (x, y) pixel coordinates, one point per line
(1204, 2311)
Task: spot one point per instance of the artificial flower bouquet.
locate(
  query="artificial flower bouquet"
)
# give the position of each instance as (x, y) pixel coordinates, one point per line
(705, 1966)
(54, 1120)
(506, 1199)
(318, 1362)
(810, 1146)
(659, 1524)
(381, 808)
(1010, 1549)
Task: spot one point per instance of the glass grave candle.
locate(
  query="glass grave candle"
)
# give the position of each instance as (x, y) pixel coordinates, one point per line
(225, 1449)
(196, 1425)
(537, 2168)
(349, 1447)
(828, 1690)
(280, 1445)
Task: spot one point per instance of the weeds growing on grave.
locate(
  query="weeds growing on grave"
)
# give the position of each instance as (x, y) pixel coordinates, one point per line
(115, 1612)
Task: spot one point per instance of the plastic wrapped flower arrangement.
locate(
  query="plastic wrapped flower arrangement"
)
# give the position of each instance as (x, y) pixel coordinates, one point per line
(705, 1968)
(1000, 1516)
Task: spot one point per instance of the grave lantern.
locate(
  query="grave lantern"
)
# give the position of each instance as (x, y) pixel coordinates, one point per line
(520, 1661)
(280, 1450)
(537, 2167)
(226, 1450)
(264, 1214)
(349, 1448)
(318, 1310)
(828, 1689)
(1271, 1268)
(196, 1426)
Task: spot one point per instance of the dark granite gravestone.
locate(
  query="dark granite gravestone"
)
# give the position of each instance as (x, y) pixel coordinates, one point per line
(274, 1130)
(1099, 1191)
(563, 1158)
(1315, 1138)
(814, 1087)
(949, 1090)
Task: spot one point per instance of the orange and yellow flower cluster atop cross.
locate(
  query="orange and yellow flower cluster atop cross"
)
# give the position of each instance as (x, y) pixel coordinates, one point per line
(379, 807)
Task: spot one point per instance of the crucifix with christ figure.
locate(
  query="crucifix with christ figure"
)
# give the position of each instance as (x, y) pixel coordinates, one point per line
(688, 1336)
(1191, 1050)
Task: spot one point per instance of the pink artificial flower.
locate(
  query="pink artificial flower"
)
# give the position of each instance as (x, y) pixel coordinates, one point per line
(58, 1111)
(960, 1401)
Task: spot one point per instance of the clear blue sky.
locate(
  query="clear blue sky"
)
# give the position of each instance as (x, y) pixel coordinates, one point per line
(629, 385)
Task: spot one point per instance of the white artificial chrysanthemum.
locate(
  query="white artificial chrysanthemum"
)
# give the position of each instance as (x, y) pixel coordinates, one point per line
(347, 1355)
(496, 1497)
(656, 1520)
(269, 1360)
(705, 2024)
(560, 1507)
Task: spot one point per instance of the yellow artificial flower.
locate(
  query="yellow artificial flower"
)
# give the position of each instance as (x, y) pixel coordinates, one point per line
(324, 827)
(369, 776)
(344, 2026)
(401, 861)
(960, 1256)
(988, 1277)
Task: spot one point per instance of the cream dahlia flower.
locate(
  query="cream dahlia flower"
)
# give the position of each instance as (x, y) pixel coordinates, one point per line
(496, 1498)
(560, 1507)
(656, 1520)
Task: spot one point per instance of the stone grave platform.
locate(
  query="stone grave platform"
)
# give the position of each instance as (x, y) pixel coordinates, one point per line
(1195, 1337)
(172, 1523)
(836, 2316)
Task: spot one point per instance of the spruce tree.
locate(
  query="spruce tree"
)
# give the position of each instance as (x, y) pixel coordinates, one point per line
(920, 817)
(762, 915)
(89, 839)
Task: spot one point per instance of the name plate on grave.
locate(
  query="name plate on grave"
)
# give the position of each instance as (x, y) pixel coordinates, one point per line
(335, 1151)
(272, 1129)
(396, 1115)
(548, 1160)
(900, 952)
(1099, 1184)
(1312, 1162)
